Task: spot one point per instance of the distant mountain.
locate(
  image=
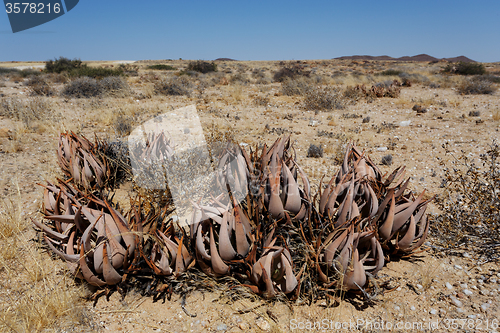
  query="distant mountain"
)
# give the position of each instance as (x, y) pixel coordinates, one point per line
(419, 57)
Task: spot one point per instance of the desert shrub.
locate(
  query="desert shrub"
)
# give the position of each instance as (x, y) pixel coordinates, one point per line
(173, 87)
(114, 85)
(391, 72)
(465, 68)
(123, 125)
(413, 78)
(476, 86)
(491, 78)
(239, 78)
(62, 65)
(315, 151)
(470, 205)
(352, 95)
(290, 71)
(296, 87)
(386, 160)
(95, 72)
(162, 67)
(56, 78)
(28, 111)
(83, 87)
(327, 98)
(202, 66)
(38, 86)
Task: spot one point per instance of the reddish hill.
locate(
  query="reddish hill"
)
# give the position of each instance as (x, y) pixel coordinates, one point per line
(419, 57)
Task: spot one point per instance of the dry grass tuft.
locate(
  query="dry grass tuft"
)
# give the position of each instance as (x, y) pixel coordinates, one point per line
(35, 295)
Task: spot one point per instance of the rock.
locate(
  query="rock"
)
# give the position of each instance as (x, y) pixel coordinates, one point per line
(419, 286)
(485, 306)
(243, 326)
(433, 312)
(412, 308)
(455, 301)
(366, 120)
(448, 285)
(382, 149)
(458, 267)
(467, 292)
(313, 123)
(405, 123)
(262, 324)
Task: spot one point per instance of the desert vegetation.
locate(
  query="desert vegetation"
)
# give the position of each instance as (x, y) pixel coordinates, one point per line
(396, 113)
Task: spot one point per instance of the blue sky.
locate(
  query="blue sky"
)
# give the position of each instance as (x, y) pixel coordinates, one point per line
(260, 30)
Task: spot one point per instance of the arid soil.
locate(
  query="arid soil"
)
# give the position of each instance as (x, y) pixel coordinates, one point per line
(429, 288)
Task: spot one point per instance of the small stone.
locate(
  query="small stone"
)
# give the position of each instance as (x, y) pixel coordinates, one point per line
(456, 302)
(419, 286)
(466, 255)
(448, 285)
(313, 123)
(405, 123)
(221, 327)
(433, 311)
(412, 308)
(458, 267)
(398, 288)
(467, 292)
(463, 285)
(243, 326)
(485, 306)
(262, 324)
(382, 149)
(492, 280)
(397, 308)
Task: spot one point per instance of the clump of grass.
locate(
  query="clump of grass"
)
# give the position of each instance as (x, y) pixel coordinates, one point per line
(177, 86)
(476, 86)
(465, 68)
(39, 87)
(161, 67)
(28, 111)
(202, 66)
(37, 297)
(470, 205)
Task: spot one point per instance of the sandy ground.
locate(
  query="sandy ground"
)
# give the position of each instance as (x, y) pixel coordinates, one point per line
(427, 289)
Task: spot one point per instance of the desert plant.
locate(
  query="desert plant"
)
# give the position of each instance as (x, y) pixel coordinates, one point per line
(38, 86)
(162, 67)
(296, 87)
(391, 72)
(315, 151)
(62, 65)
(290, 71)
(83, 87)
(28, 111)
(94, 72)
(114, 85)
(173, 87)
(470, 206)
(465, 68)
(202, 66)
(327, 98)
(476, 86)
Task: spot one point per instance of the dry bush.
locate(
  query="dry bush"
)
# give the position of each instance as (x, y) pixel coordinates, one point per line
(327, 98)
(38, 86)
(28, 110)
(261, 100)
(476, 86)
(470, 205)
(83, 87)
(115, 86)
(296, 87)
(290, 71)
(177, 86)
(202, 66)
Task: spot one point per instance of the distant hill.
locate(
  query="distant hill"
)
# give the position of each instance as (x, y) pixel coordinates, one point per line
(419, 57)
(224, 59)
